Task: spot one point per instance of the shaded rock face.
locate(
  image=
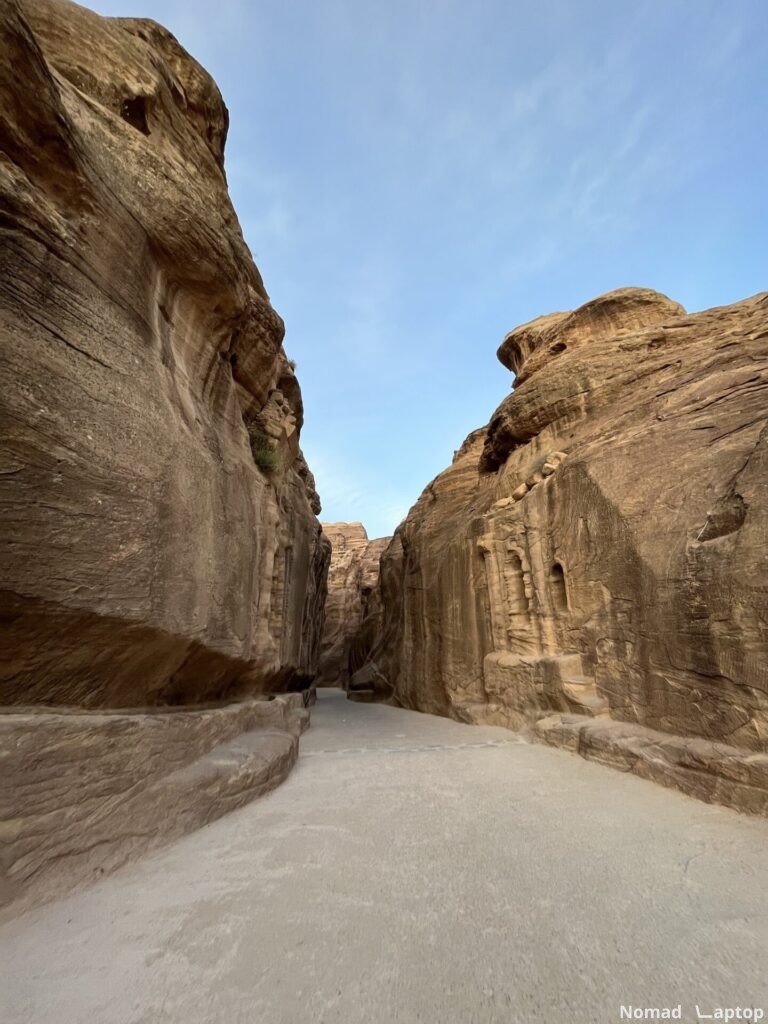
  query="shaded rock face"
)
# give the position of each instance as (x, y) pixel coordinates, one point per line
(352, 583)
(160, 541)
(600, 549)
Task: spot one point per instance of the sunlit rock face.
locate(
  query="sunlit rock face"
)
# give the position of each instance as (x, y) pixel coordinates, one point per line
(352, 579)
(600, 549)
(159, 534)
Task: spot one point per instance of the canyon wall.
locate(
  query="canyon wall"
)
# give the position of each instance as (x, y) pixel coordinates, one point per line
(352, 580)
(160, 553)
(593, 566)
(160, 540)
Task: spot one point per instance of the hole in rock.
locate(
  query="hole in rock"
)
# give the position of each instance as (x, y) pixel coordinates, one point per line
(134, 111)
(726, 517)
(559, 589)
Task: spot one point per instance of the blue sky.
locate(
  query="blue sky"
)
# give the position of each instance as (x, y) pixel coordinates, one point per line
(415, 179)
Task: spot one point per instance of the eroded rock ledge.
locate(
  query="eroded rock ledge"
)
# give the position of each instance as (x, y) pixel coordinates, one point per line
(600, 549)
(83, 794)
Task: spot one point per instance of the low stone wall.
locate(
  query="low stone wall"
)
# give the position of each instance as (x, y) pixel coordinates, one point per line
(81, 794)
(713, 772)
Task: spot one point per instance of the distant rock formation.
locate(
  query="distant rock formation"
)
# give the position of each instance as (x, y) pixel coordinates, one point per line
(159, 535)
(160, 550)
(352, 579)
(594, 565)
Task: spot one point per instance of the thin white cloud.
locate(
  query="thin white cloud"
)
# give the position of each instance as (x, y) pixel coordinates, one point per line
(356, 493)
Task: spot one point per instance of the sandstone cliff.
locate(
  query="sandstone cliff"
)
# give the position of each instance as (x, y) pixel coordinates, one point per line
(160, 541)
(594, 564)
(352, 580)
(160, 549)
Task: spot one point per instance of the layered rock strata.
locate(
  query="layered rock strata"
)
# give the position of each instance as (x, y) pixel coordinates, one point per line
(599, 552)
(160, 541)
(352, 580)
(160, 545)
(83, 793)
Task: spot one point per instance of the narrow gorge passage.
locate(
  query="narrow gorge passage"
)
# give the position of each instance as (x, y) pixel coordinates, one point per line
(257, 766)
(413, 868)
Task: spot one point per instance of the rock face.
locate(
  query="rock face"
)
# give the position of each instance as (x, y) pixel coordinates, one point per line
(160, 542)
(160, 549)
(600, 549)
(352, 580)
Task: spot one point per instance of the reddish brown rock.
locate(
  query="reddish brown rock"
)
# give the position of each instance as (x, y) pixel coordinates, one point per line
(352, 579)
(601, 548)
(159, 535)
(160, 549)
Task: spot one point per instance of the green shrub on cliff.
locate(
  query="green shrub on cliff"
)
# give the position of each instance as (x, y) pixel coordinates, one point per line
(263, 450)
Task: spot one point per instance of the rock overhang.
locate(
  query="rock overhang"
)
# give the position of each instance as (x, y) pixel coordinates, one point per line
(531, 345)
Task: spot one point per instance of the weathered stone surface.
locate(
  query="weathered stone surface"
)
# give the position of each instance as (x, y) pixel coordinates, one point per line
(159, 539)
(352, 579)
(160, 545)
(83, 793)
(713, 772)
(601, 547)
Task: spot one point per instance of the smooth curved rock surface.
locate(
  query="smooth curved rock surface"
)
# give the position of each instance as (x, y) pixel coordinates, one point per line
(160, 541)
(601, 547)
(83, 793)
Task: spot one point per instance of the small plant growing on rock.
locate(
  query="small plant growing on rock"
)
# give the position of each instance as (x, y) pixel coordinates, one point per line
(263, 450)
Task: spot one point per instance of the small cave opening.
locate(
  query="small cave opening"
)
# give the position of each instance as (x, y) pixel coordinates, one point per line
(557, 348)
(134, 111)
(559, 588)
(725, 518)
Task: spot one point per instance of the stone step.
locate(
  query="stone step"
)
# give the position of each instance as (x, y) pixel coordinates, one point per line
(594, 706)
(578, 680)
(229, 775)
(704, 769)
(582, 692)
(567, 664)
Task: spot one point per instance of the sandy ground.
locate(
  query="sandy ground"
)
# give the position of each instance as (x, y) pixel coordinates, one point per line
(414, 870)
